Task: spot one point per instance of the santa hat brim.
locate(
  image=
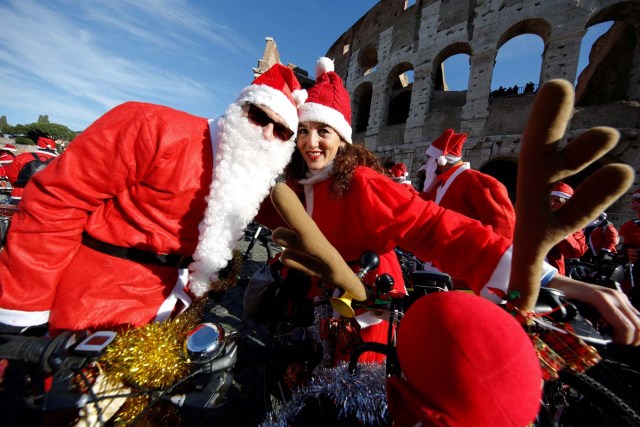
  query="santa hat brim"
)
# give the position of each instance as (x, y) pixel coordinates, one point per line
(314, 112)
(274, 99)
(561, 194)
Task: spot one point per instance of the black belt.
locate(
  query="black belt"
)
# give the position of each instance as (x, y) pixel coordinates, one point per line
(137, 255)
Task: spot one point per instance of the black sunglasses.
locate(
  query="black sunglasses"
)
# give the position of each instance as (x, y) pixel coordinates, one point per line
(260, 118)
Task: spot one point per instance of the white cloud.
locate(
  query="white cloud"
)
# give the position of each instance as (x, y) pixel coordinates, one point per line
(71, 64)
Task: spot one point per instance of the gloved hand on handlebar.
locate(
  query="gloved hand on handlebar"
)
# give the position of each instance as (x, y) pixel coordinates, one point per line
(306, 248)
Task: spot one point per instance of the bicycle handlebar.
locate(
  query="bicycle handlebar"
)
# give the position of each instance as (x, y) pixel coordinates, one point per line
(43, 352)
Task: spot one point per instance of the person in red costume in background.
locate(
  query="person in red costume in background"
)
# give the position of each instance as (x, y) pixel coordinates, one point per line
(399, 174)
(574, 245)
(602, 239)
(343, 188)
(45, 150)
(104, 236)
(451, 183)
(630, 234)
(7, 154)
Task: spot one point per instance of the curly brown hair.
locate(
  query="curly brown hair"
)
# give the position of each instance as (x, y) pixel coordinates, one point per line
(347, 159)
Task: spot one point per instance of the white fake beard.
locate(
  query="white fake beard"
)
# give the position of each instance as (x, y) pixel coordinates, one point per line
(245, 169)
(430, 174)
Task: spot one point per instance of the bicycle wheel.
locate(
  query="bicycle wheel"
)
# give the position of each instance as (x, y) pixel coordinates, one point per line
(576, 399)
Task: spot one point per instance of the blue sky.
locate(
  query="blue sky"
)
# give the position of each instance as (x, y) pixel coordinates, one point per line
(73, 60)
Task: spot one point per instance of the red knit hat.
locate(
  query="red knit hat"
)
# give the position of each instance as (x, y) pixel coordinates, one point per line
(560, 189)
(447, 147)
(328, 101)
(9, 147)
(279, 90)
(399, 170)
(466, 362)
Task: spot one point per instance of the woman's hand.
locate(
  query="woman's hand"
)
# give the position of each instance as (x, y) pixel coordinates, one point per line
(614, 307)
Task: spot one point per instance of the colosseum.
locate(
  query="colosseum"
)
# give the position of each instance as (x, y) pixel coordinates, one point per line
(392, 59)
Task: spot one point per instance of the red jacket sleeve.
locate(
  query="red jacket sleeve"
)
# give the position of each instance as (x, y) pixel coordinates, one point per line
(574, 246)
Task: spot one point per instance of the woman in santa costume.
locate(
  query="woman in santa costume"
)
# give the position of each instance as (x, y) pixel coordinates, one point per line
(359, 209)
(143, 209)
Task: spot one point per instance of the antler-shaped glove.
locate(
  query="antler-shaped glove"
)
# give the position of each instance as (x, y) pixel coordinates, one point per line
(541, 164)
(306, 248)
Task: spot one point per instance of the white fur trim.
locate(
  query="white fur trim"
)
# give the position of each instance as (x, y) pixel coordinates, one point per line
(434, 151)
(561, 194)
(314, 112)
(23, 318)
(275, 100)
(177, 293)
(500, 277)
(324, 65)
(300, 96)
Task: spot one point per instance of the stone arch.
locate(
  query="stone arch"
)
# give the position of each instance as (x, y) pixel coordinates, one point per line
(534, 26)
(441, 96)
(399, 87)
(368, 59)
(504, 170)
(614, 58)
(537, 26)
(438, 76)
(361, 106)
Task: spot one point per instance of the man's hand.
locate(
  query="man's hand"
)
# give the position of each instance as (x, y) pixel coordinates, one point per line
(614, 307)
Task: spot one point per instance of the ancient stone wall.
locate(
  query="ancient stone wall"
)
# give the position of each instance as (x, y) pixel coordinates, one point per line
(398, 120)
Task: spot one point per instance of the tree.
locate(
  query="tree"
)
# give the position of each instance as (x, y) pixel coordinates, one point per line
(43, 118)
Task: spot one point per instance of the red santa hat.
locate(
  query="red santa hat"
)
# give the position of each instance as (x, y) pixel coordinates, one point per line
(465, 361)
(46, 143)
(447, 147)
(560, 189)
(328, 101)
(279, 90)
(9, 147)
(399, 170)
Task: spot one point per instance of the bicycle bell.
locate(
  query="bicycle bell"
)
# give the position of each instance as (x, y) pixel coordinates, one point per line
(205, 342)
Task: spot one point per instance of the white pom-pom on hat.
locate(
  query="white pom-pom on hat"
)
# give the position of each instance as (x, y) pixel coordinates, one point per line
(324, 65)
(299, 96)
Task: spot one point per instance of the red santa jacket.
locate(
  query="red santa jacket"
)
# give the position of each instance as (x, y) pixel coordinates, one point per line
(137, 177)
(377, 214)
(602, 238)
(574, 246)
(12, 170)
(476, 195)
(630, 233)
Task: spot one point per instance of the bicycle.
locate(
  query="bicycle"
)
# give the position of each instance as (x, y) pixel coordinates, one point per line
(606, 395)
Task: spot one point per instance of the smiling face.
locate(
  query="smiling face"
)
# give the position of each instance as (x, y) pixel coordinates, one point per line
(318, 143)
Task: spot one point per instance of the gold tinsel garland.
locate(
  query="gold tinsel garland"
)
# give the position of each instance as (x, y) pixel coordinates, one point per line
(152, 358)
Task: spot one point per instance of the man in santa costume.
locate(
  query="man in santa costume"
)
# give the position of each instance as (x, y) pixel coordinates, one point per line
(143, 208)
(602, 239)
(574, 245)
(452, 184)
(45, 150)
